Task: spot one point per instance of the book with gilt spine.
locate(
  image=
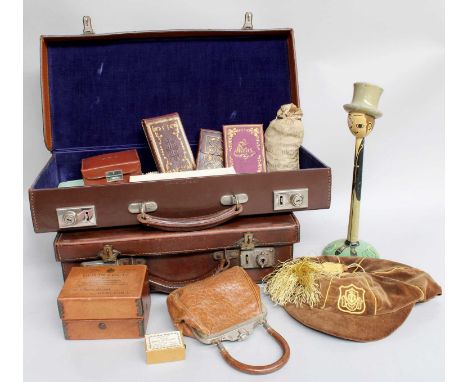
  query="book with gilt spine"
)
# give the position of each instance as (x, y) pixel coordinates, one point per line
(169, 144)
(210, 150)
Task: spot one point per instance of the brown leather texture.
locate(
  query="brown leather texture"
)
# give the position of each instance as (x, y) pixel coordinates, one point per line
(94, 169)
(179, 197)
(105, 302)
(175, 259)
(219, 304)
(215, 304)
(169, 145)
(210, 149)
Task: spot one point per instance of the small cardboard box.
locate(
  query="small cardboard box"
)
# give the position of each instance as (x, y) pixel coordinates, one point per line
(103, 302)
(164, 347)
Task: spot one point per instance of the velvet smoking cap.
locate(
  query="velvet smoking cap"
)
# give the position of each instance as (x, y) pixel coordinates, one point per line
(359, 299)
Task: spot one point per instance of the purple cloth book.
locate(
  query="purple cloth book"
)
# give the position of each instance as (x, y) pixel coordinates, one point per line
(244, 148)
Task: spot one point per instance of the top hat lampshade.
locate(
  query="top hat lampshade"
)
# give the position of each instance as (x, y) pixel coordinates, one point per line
(365, 99)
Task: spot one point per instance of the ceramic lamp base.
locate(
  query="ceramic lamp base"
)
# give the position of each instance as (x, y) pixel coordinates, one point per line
(344, 248)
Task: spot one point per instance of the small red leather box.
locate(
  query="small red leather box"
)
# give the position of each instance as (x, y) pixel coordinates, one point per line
(110, 168)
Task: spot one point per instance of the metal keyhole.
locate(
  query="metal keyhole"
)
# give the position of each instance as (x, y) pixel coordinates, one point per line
(261, 260)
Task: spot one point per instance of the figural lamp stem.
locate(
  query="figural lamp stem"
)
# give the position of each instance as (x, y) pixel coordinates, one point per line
(362, 113)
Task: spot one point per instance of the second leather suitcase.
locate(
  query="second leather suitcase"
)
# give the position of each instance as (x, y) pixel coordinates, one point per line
(175, 259)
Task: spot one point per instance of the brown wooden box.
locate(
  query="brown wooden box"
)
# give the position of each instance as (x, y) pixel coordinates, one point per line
(105, 302)
(96, 89)
(175, 259)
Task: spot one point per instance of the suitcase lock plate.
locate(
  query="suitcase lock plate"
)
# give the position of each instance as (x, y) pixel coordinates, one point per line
(69, 217)
(249, 256)
(290, 199)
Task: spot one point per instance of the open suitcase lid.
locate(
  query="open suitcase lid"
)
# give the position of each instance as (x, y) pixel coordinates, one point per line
(97, 88)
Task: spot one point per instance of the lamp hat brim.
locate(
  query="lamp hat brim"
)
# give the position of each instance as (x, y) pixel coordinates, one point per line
(365, 99)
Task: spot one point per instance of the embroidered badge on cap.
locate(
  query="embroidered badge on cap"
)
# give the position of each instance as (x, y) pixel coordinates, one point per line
(351, 299)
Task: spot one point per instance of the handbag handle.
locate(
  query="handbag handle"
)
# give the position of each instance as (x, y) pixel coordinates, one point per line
(195, 223)
(254, 369)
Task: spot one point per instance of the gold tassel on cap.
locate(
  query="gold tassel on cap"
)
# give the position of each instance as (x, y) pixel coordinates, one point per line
(296, 281)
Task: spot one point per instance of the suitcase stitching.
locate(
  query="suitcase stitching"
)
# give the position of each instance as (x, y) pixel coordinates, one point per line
(33, 210)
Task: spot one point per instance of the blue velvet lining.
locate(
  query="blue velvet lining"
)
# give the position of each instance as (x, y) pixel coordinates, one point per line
(101, 89)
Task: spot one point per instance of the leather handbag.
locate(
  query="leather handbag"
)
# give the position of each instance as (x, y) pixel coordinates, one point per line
(225, 307)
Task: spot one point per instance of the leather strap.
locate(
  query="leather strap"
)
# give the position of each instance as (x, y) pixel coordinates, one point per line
(168, 286)
(266, 369)
(195, 223)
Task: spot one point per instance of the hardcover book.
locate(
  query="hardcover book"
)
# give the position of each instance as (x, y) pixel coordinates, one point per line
(244, 148)
(168, 142)
(210, 150)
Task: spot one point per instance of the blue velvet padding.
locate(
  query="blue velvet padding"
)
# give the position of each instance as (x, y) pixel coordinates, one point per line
(101, 89)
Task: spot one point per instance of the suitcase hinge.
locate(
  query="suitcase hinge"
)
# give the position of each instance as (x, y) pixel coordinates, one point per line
(248, 21)
(142, 207)
(87, 26)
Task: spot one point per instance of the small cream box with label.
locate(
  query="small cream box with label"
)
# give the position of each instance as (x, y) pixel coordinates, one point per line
(164, 347)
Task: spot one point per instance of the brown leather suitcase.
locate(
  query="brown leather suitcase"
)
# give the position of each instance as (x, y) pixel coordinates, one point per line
(175, 259)
(96, 89)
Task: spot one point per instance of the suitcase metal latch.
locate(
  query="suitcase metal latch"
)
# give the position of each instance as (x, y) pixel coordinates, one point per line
(110, 256)
(114, 176)
(248, 242)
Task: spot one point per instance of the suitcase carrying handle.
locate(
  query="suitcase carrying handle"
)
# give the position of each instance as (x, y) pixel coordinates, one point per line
(195, 223)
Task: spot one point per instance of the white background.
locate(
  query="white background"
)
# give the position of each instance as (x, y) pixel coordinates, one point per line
(398, 45)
